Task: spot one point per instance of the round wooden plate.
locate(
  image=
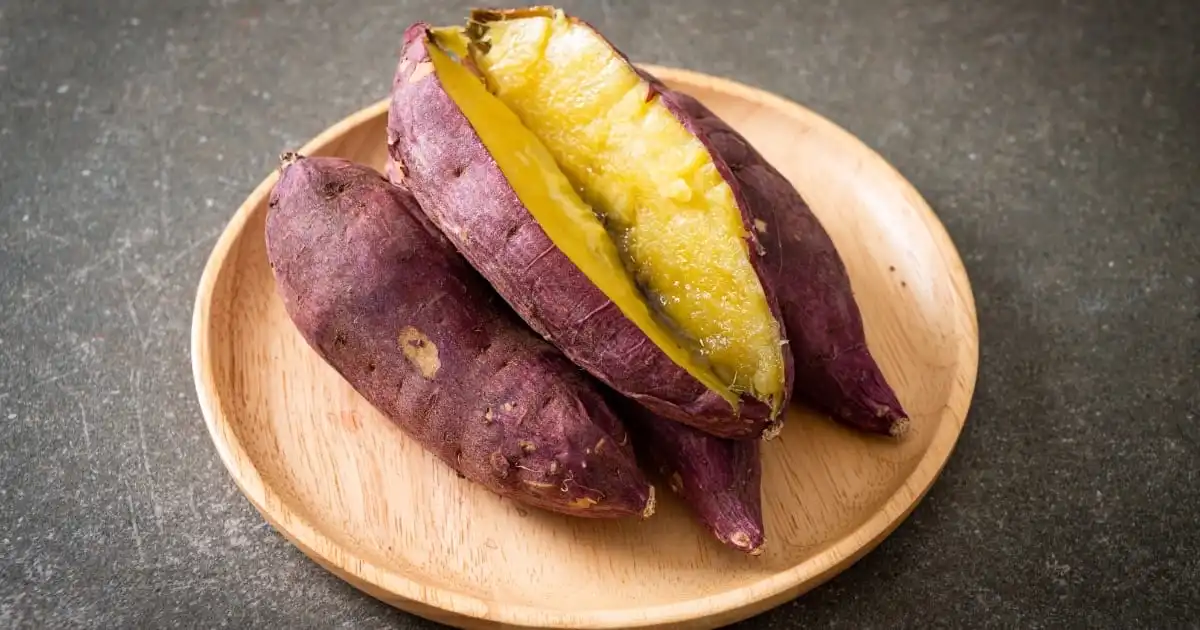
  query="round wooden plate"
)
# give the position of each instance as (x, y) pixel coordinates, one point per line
(348, 488)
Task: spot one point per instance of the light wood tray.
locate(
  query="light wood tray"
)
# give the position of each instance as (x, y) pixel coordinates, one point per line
(349, 489)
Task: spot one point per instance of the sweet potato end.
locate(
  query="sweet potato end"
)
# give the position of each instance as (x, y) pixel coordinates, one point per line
(750, 544)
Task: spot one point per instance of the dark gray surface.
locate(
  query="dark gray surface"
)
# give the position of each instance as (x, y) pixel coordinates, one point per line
(1057, 140)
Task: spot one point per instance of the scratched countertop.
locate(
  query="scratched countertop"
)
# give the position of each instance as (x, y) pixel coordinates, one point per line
(1058, 141)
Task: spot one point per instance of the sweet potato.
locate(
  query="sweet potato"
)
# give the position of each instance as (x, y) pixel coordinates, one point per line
(673, 311)
(719, 479)
(835, 371)
(557, 73)
(385, 299)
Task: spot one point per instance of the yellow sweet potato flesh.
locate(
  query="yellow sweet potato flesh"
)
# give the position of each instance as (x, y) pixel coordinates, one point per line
(664, 203)
(567, 220)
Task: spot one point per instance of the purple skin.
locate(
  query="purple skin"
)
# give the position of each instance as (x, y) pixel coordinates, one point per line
(835, 372)
(719, 479)
(438, 156)
(385, 299)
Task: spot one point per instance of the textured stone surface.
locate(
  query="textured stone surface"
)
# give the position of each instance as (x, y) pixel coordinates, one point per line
(1059, 141)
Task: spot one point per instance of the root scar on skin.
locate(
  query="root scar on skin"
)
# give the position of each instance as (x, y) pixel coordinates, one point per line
(648, 511)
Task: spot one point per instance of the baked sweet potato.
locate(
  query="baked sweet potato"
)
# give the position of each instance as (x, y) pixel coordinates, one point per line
(385, 299)
(652, 284)
(559, 74)
(719, 479)
(835, 371)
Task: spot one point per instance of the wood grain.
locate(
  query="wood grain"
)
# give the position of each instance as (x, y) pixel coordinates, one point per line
(349, 489)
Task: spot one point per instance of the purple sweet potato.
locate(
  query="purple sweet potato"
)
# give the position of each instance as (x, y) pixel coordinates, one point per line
(384, 298)
(560, 75)
(835, 371)
(719, 479)
(719, 362)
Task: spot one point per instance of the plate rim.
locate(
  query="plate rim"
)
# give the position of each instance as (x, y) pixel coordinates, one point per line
(455, 607)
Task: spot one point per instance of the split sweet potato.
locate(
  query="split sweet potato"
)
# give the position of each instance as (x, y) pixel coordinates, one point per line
(559, 74)
(649, 276)
(386, 300)
(835, 370)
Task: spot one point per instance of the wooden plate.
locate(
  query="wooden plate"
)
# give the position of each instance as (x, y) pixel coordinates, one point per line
(350, 490)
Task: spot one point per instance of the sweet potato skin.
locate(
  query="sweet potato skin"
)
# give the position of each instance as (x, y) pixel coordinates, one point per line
(835, 371)
(719, 479)
(383, 297)
(437, 155)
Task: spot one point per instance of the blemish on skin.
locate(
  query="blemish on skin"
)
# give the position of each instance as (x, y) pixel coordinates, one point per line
(404, 65)
(583, 503)
(760, 226)
(420, 352)
(537, 484)
(600, 445)
(508, 406)
(676, 482)
(553, 467)
(487, 416)
(499, 463)
(527, 447)
(423, 69)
